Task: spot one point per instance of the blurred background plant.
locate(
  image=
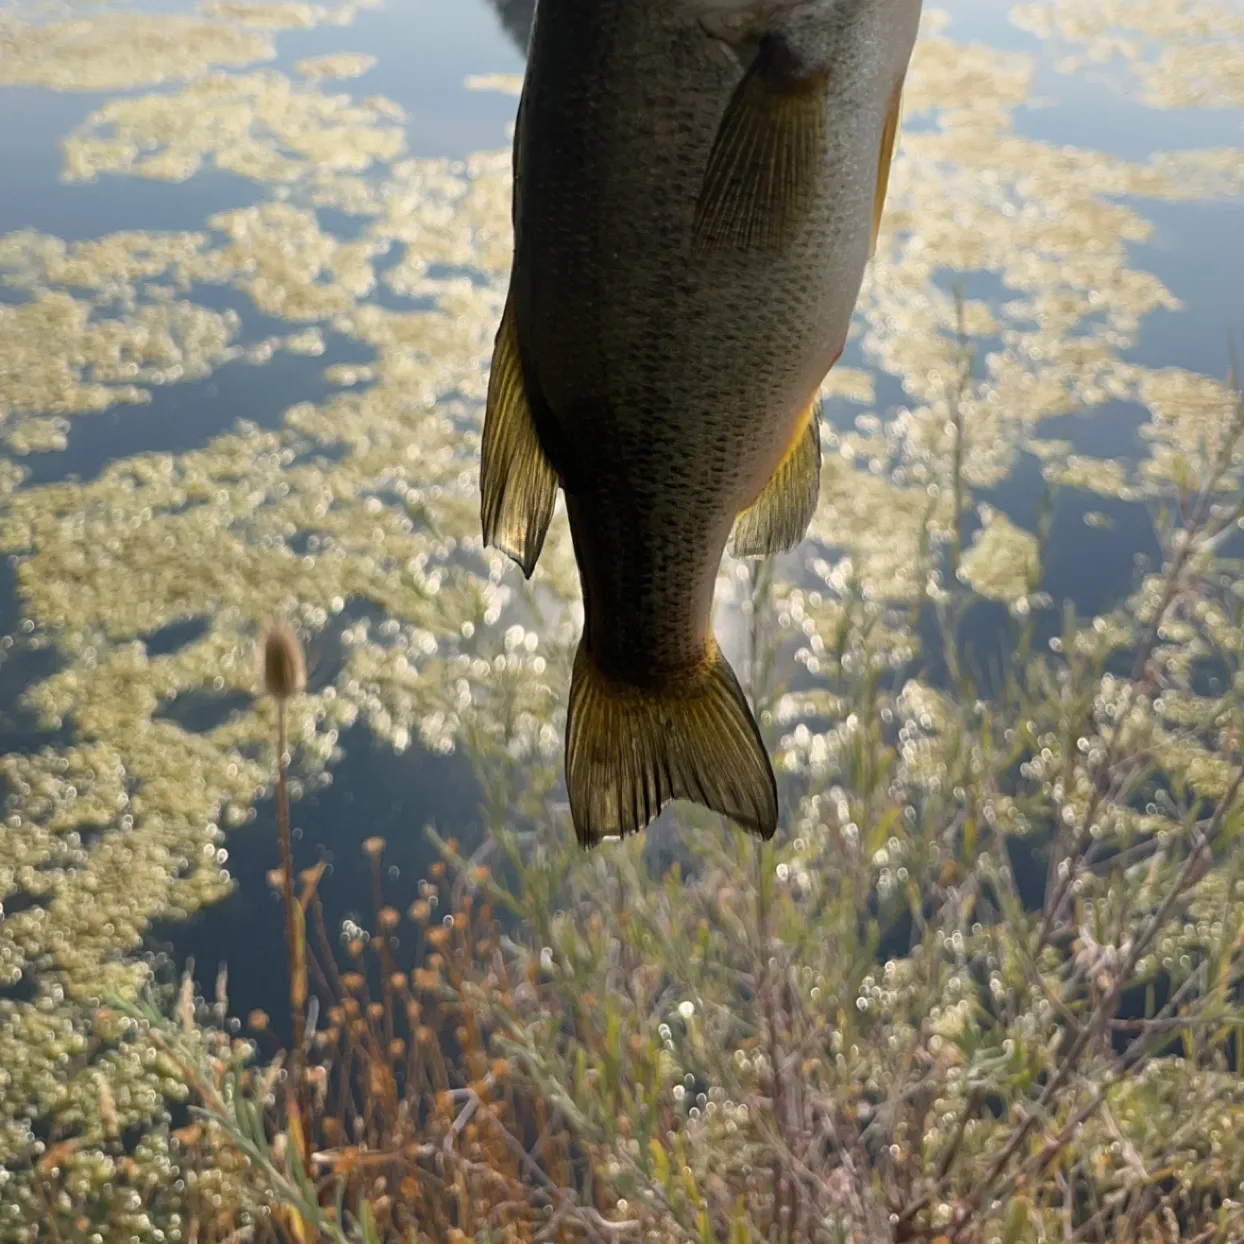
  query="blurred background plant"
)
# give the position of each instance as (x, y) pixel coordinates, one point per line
(984, 987)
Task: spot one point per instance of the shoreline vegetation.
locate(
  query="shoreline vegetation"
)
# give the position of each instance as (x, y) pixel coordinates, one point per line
(585, 1047)
(985, 985)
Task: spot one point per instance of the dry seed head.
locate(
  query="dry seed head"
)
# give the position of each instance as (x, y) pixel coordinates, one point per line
(389, 918)
(257, 1021)
(284, 670)
(375, 1010)
(353, 981)
(374, 847)
(397, 1048)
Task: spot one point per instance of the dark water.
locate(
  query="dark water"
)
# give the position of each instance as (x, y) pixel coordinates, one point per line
(424, 50)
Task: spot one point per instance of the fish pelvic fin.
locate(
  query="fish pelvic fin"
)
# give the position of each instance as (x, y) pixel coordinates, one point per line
(518, 486)
(889, 140)
(778, 519)
(769, 151)
(631, 750)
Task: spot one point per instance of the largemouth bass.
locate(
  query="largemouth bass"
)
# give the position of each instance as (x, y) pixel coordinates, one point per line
(697, 190)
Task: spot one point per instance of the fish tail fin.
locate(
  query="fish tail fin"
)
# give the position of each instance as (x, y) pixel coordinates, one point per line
(630, 750)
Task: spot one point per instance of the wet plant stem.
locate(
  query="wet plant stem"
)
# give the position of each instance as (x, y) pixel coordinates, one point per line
(765, 978)
(297, 969)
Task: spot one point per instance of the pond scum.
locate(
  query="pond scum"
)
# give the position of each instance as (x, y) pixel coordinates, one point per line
(986, 984)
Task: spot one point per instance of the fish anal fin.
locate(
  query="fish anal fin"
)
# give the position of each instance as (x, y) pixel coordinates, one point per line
(518, 486)
(778, 519)
(768, 154)
(631, 750)
(889, 140)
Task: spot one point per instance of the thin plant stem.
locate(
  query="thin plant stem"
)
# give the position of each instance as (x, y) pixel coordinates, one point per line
(297, 972)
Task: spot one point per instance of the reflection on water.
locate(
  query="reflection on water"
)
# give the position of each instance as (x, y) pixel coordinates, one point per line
(337, 296)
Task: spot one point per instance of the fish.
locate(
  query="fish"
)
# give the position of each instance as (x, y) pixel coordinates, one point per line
(516, 18)
(698, 186)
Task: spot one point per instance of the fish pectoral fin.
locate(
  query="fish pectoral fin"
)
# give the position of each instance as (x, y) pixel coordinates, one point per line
(778, 519)
(630, 750)
(889, 140)
(769, 151)
(518, 486)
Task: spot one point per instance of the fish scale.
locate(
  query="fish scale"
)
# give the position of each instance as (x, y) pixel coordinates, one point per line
(697, 187)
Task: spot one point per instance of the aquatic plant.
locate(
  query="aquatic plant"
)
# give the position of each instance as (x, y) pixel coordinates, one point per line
(988, 986)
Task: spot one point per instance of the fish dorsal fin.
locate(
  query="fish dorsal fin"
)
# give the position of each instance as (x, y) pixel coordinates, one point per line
(630, 750)
(778, 519)
(889, 140)
(769, 151)
(518, 486)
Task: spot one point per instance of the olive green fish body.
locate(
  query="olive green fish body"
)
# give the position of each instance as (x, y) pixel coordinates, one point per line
(696, 191)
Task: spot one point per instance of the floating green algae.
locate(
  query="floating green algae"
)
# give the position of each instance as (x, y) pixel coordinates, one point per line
(118, 51)
(366, 503)
(285, 14)
(335, 65)
(1003, 562)
(1172, 53)
(260, 126)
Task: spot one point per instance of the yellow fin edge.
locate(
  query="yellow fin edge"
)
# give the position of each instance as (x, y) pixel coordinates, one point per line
(518, 486)
(631, 750)
(778, 519)
(889, 141)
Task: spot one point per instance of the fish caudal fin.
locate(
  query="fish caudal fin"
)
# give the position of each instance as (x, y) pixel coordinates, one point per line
(769, 151)
(630, 750)
(518, 486)
(778, 519)
(889, 140)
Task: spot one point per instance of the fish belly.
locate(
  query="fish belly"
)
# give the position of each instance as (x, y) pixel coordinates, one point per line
(672, 385)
